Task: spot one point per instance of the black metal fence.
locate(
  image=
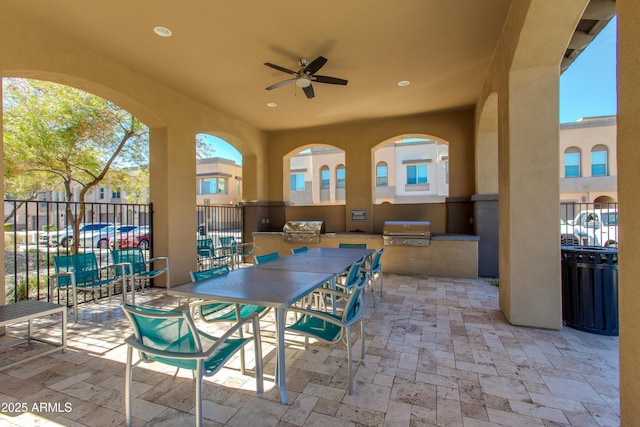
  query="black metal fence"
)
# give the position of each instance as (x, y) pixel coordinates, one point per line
(219, 221)
(589, 224)
(36, 231)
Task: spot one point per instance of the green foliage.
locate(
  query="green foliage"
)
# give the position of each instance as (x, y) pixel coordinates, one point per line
(8, 227)
(495, 281)
(19, 292)
(58, 134)
(59, 137)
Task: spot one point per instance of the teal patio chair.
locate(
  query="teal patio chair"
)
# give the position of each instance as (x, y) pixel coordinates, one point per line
(214, 312)
(353, 245)
(299, 250)
(171, 337)
(333, 328)
(139, 269)
(236, 250)
(81, 273)
(261, 259)
(211, 308)
(373, 271)
(210, 256)
(352, 277)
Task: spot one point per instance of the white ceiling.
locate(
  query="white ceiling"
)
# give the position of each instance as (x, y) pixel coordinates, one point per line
(218, 48)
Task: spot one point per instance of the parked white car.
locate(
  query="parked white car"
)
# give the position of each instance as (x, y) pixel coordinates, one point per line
(602, 224)
(65, 238)
(575, 235)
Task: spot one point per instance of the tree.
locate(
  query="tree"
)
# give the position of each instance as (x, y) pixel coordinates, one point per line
(58, 134)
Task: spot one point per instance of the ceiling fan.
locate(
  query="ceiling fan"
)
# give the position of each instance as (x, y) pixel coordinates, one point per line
(306, 75)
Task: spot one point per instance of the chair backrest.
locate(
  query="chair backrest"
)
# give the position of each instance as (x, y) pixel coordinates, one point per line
(353, 245)
(207, 274)
(172, 331)
(83, 266)
(375, 264)
(205, 245)
(261, 259)
(134, 256)
(229, 241)
(353, 308)
(353, 276)
(298, 250)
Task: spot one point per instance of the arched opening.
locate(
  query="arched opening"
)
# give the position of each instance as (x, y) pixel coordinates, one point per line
(218, 171)
(411, 169)
(317, 176)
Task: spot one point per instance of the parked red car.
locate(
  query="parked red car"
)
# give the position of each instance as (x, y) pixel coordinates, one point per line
(138, 238)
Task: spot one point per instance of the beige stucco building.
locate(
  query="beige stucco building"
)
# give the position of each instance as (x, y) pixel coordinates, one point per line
(219, 181)
(501, 143)
(588, 170)
(412, 171)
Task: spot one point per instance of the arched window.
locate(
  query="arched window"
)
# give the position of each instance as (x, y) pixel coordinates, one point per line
(325, 178)
(341, 176)
(382, 174)
(572, 162)
(599, 161)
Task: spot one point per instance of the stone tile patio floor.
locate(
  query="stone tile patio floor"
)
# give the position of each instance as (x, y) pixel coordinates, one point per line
(439, 353)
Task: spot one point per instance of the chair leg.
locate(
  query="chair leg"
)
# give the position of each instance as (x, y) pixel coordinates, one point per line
(242, 358)
(350, 359)
(372, 281)
(362, 336)
(200, 370)
(75, 305)
(257, 347)
(127, 386)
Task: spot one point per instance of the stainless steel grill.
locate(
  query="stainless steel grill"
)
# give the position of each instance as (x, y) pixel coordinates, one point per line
(303, 231)
(407, 233)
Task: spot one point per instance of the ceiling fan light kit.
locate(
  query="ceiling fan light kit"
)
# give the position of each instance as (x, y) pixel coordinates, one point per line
(306, 75)
(303, 81)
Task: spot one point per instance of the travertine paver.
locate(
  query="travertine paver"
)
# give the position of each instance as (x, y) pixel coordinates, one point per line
(439, 352)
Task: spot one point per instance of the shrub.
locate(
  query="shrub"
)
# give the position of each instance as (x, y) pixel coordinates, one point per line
(19, 292)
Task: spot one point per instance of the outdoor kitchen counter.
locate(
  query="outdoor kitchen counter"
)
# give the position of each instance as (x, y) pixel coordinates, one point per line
(448, 255)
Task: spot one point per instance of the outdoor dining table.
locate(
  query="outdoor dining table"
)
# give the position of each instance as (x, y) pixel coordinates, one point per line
(260, 286)
(336, 265)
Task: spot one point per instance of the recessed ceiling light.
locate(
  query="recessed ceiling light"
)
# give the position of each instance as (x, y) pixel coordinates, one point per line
(272, 105)
(162, 31)
(404, 83)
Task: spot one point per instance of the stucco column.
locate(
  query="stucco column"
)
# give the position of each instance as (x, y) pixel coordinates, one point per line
(628, 178)
(530, 281)
(2, 287)
(172, 174)
(358, 189)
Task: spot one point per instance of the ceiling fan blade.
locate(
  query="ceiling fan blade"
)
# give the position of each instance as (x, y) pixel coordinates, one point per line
(330, 80)
(315, 65)
(282, 83)
(279, 68)
(308, 91)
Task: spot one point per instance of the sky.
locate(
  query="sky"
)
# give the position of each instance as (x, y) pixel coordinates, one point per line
(588, 86)
(222, 148)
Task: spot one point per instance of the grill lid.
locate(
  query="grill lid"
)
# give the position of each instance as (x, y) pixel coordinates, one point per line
(407, 228)
(303, 231)
(304, 227)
